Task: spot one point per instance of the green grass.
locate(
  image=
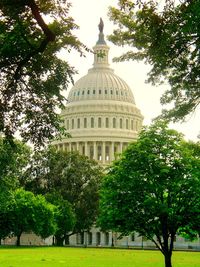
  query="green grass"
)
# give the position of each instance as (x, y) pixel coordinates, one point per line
(91, 257)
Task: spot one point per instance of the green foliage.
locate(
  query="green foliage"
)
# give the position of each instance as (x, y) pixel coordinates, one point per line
(31, 213)
(165, 35)
(63, 215)
(32, 75)
(74, 177)
(154, 188)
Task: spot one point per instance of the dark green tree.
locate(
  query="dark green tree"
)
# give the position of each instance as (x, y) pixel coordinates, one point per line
(32, 74)
(154, 189)
(75, 177)
(13, 161)
(64, 217)
(164, 34)
(31, 213)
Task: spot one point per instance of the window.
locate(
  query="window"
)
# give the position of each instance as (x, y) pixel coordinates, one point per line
(106, 92)
(99, 122)
(83, 92)
(132, 237)
(91, 152)
(107, 123)
(111, 92)
(85, 122)
(116, 92)
(98, 238)
(107, 153)
(89, 238)
(67, 124)
(78, 123)
(127, 124)
(78, 93)
(106, 238)
(114, 122)
(93, 92)
(99, 91)
(74, 93)
(72, 123)
(131, 124)
(120, 123)
(88, 92)
(92, 122)
(99, 157)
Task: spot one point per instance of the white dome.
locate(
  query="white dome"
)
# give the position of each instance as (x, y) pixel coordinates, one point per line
(101, 84)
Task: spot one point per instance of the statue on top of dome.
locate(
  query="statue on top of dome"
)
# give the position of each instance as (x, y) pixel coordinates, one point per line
(101, 25)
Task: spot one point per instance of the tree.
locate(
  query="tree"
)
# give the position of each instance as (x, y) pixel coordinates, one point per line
(13, 160)
(165, 35)
(153, 189)
(75, 177)
(64, 217)
(31, 213)
(32, 74)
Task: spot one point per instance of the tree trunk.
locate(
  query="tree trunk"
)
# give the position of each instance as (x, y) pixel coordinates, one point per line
(168, 258)
(18, 240)
(59, 241)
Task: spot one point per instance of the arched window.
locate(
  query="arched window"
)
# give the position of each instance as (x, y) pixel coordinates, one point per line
(131, 124)
(106, 238)
(107, 123)
(78, 123)
(127, 126)
(120, 123)
(99, 122)
(72, 123)
(114, 122)
(67, 126)
(89, 238)
(98, 238)
(85, 122)
(92, 122)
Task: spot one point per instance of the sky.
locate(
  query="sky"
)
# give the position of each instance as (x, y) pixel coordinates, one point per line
(86, 14)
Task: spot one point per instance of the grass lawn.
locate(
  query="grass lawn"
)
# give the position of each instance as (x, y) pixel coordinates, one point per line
(91, 257)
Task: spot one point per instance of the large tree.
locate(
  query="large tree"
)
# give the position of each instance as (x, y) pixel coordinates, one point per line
(75, 177)
(13, 161)
(30, 213)
(32, 74)
(154, 189)
(164, 34)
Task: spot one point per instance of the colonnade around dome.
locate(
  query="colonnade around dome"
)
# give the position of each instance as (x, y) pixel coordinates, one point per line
(104, 152)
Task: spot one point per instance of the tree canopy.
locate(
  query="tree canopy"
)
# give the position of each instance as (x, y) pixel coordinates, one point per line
(164, 34)
(32, 75)
(74, 177)
(154, 189)
(30, 213)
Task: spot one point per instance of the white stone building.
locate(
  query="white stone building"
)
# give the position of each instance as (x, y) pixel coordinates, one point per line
(101, 114)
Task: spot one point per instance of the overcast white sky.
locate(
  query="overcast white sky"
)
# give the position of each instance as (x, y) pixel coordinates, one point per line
(87, 14)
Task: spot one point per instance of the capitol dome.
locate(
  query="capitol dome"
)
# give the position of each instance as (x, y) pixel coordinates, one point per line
(101, 115)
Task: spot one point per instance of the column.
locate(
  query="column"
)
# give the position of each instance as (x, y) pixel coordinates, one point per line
(63, 148)
(70, 147)
(77, 147)
(121, 147)
(103, 152)
(86, 149)
(112, 151)
(95, 150)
